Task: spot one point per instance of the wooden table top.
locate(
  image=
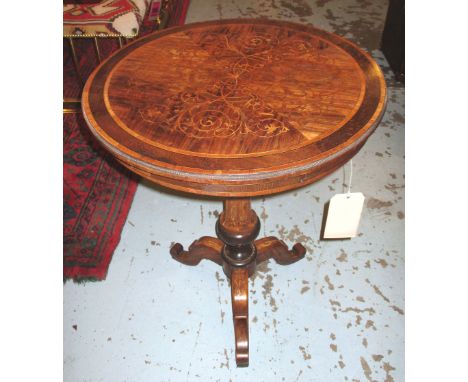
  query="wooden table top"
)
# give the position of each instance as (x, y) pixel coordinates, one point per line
(235, 107)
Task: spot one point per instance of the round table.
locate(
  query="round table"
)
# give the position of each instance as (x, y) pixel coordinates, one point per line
(235, 109)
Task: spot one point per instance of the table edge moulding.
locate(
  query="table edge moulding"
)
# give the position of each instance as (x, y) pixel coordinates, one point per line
(238, 151)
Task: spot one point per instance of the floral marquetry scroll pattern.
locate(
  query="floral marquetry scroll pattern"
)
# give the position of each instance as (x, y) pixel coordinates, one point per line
(236, 109)
(221, 113)
(236, 96)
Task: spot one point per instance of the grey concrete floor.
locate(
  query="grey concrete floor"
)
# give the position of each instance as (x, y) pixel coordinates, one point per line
(337, 315)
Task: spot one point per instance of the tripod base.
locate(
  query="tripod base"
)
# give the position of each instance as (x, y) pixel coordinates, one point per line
(237, 251)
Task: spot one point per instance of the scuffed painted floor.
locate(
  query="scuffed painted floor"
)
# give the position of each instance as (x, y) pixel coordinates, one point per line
(337, 315)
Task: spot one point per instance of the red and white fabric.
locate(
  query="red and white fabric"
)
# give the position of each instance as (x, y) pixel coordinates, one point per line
(111, 18)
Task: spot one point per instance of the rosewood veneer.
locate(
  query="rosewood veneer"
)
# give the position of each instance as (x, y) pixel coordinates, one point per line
(235, 109)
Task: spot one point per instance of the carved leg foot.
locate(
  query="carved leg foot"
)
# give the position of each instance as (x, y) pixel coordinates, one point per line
(271, 247)
(240, 313)
(237, 227)
(238, 253)
(204, 248)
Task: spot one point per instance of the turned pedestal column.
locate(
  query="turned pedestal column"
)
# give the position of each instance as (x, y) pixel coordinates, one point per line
(237, 251)
(235, 109)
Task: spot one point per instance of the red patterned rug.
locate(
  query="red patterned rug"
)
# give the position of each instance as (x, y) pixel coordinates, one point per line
(97, 195)
(97, 191)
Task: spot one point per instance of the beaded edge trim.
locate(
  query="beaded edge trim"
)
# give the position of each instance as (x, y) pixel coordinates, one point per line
(236, 177)
(98, 35)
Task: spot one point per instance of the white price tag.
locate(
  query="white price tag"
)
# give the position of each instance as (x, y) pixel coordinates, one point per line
(343, 216)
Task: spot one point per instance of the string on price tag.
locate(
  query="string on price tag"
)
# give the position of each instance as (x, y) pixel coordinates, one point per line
(344, 213)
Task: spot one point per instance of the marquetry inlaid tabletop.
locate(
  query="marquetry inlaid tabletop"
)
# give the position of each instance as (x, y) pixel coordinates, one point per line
(235, 107)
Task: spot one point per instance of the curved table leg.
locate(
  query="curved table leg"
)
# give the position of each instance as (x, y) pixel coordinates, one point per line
(204, 248)
(271, 247)
(240, 312)
(238, 253)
